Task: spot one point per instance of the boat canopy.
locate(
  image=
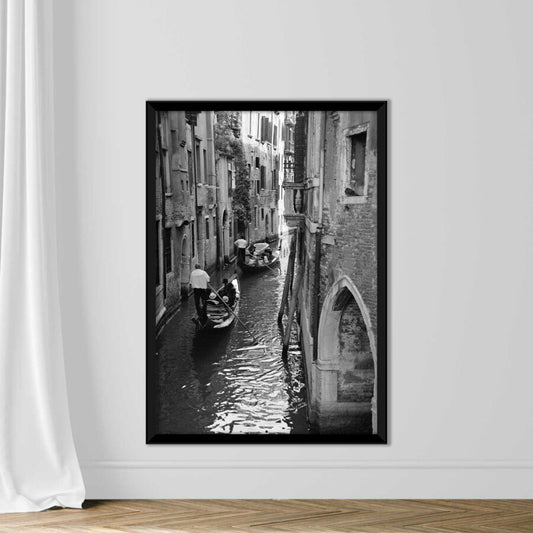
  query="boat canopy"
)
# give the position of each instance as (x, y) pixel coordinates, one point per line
(261, 246)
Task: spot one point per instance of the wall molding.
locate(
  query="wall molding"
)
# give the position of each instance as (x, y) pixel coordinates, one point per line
(308, 465)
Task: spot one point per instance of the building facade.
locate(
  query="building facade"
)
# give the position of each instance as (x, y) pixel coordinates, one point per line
(174, 211)
(187, 222)
(331, 206)
(201, 157)
(263, 153)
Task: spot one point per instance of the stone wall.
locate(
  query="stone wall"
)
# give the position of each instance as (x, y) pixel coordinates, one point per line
(356, 366)
(351, 227)
(341, 384)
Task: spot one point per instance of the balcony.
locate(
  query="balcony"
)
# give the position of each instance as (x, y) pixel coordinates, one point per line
(294, 208)
(205, 195)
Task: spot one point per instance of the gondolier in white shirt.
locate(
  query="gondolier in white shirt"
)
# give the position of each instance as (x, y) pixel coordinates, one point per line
(199, 280)
(241, 245)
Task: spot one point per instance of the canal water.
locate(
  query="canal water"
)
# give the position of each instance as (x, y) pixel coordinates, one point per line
(207, 384)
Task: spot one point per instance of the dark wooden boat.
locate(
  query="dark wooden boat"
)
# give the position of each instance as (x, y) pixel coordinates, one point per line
(258, 266)
(220, 316)
(257, 263)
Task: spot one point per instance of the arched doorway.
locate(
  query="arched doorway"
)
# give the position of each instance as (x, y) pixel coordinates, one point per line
(267, 228)
(347, 364)
(185, 267)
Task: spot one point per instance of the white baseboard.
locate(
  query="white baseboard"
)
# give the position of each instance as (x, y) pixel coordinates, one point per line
(308, 479)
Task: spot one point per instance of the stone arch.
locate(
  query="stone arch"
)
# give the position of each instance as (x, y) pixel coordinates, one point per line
(347, 348)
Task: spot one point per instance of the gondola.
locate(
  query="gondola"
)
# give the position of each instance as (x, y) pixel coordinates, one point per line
(220, 316)
(257, 262)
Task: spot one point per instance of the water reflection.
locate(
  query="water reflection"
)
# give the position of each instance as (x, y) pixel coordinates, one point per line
(209, 383)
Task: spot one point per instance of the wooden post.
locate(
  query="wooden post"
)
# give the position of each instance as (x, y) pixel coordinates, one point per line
(288, 279)
(292, 309)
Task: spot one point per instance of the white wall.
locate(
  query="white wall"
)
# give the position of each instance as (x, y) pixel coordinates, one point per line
(459, 80)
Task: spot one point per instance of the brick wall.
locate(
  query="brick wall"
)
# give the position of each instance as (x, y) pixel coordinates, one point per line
(356, 366)
(353, 226)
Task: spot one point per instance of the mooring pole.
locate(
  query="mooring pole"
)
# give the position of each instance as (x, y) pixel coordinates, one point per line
(292, 309)
(288, 279)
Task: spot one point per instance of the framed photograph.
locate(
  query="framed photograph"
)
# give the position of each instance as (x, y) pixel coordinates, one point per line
(266, 272)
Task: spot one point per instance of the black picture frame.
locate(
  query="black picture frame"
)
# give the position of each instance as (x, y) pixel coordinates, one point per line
(381, 436)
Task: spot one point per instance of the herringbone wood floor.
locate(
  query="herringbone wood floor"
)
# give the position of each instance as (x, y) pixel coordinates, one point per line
(376, 516)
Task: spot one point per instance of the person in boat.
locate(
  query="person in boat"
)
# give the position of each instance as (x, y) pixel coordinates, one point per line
(199, 280)
(262, 252)
(241, 245)
(267, 255)
(228, 291)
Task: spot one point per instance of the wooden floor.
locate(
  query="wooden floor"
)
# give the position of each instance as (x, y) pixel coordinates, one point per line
(383, 516)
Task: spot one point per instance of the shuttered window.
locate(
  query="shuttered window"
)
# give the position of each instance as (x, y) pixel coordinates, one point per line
(167, 249)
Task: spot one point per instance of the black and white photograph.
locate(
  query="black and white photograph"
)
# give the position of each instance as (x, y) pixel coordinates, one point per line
(266, 272)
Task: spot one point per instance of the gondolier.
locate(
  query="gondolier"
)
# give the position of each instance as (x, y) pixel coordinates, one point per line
(241, 245)
(199, 280)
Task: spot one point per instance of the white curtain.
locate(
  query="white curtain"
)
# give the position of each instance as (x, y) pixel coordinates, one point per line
(38, 463)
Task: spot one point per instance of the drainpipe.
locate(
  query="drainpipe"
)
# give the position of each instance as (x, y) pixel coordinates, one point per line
(318, 241)
(163, 199)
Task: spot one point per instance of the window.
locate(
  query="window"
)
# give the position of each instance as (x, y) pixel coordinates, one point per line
(190, 177)
(174, 139)
(257, 162)
(206, 229)
(206, 177)
(249, 171)
(230, 229)
(231, 177)
(357, 165)
(274, 179)
(257, 188)
(266, 130)
(197, 163)
(167, 249)
(262, 214)
(263, 177)
(275, 140)
(157, 265)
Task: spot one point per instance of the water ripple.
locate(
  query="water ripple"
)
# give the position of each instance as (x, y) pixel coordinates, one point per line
(207, 385)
